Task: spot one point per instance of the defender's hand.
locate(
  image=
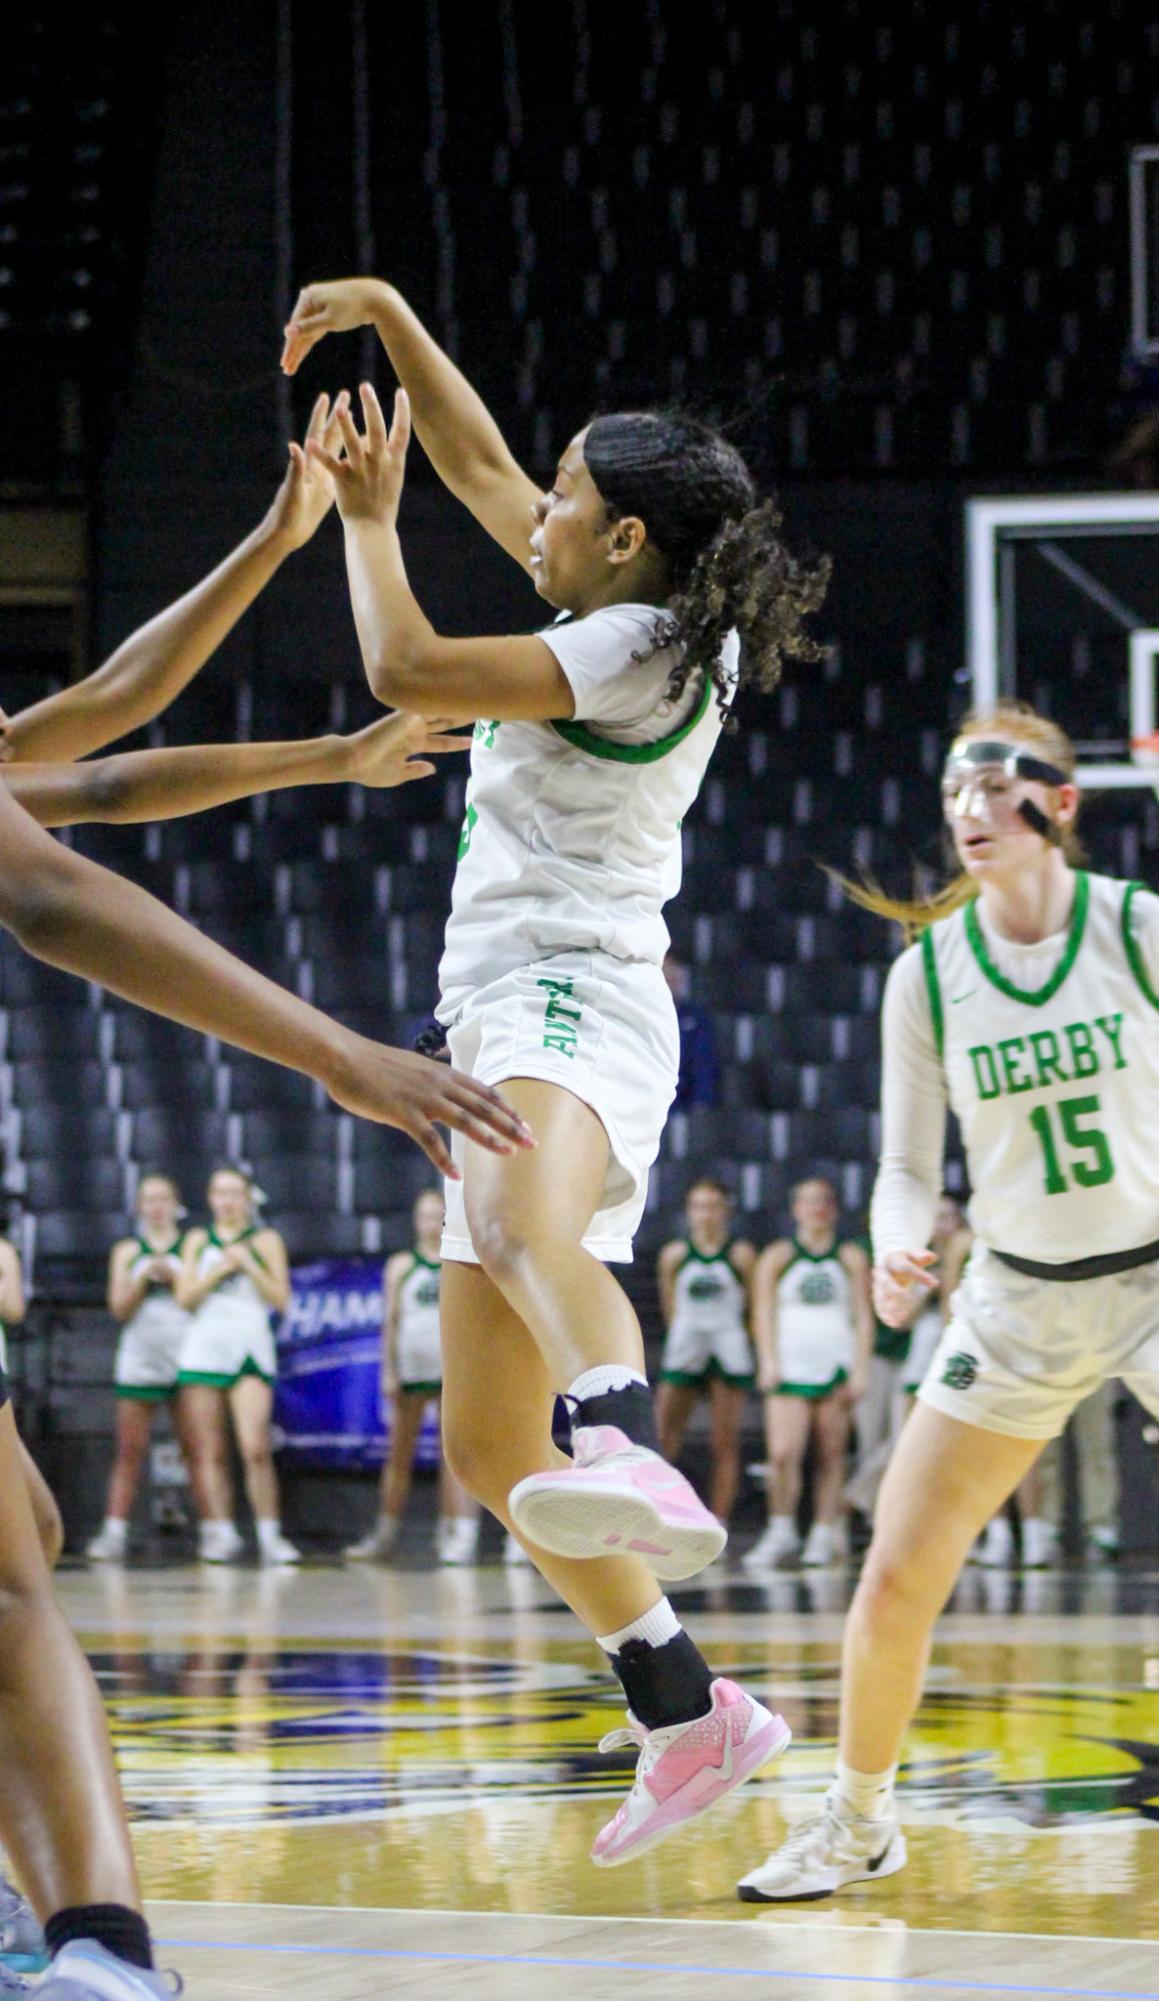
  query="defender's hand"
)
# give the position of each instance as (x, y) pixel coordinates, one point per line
(395, 1088)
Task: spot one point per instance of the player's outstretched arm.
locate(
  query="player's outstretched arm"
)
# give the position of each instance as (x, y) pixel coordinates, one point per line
(455, 427)
(150, 668)
(189, 778)
(76, 915)
(505, 679)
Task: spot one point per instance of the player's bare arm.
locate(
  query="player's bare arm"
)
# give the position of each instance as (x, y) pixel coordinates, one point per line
(667, 1266)
(454, 426)
(150, 668)
(168, 784)
(768, 1270)
(504, 679)
(76, 915)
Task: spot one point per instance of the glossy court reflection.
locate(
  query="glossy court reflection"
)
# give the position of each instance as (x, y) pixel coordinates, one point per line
(277, 1750)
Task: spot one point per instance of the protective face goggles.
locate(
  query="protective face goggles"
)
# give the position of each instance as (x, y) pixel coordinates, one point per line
(974, 759)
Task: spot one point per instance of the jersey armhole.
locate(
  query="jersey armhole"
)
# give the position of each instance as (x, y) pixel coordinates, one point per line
(934, 991)
(1135, 957)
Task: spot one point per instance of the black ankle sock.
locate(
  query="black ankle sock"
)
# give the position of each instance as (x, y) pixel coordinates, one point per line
(121, 1931)
(668, 1684)
(630, 1408)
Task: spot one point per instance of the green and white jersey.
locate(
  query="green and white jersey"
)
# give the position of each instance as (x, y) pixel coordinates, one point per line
(572, 835)
(1049, 1055)
(158, 1317)
(707, 1331)
(815, 1319)
(418, 1355)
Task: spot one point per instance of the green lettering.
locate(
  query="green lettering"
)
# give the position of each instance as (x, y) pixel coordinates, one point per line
(1083, 1055)
(985, 1055)
(555, 986)
(555, 1010)
(566, 1046)
(1112, 1027)
(1044, 1044)
(1010, 1050)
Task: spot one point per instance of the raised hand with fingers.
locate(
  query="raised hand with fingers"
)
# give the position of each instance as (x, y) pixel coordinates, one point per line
(397, 1089)
(368, 481)
(306, 494)
(337, 307)
(398, 749)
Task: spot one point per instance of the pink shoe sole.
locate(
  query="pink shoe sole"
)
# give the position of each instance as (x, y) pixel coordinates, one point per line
(703, 1792)
(580, 1516)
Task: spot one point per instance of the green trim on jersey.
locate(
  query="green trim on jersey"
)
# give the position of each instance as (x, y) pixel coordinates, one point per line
(427, 1264)
(208, 1379)
(699, 1379)
(934, 990)
(145, 1392)
(582, 738)
(169, 1250)
(427, 1389)
(721, 1257)
(816, 1257)
(224, 1245)
(977, 943)
(812, 1392)
(1131, 946)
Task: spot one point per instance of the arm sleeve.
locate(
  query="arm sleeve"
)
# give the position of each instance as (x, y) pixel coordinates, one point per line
(596, 654)
(913, 1115)
(1145, 931)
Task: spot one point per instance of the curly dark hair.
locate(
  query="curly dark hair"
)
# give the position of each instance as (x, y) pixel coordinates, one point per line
(727, 565)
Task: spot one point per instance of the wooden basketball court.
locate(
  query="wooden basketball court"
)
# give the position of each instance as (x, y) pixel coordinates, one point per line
(381, 1783)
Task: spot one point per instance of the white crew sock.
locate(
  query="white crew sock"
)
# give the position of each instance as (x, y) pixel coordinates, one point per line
(655, 1628)
(597, 1382)
(868, 1795)
(215, 1531)
(268, 1533)
(116, 1528)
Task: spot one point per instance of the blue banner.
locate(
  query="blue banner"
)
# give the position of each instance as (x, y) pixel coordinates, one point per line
(329, 1406)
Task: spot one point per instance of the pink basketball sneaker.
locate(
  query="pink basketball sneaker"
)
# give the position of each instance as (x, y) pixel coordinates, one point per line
(618, 1499)
(686, 1768)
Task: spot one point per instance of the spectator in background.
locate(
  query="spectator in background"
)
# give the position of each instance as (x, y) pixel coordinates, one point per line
(813, 1322)
(144, 1272)
(233, 1276)
(412, 1377)
(704, 1280)
(698, 1082)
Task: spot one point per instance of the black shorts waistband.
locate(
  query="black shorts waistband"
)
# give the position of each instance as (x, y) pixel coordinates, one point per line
(1101, 1267)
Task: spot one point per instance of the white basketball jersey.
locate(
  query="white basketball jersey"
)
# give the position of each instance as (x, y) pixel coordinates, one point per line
(239, 1289)
(814, 1317)
(418, 1308)
(1057, 1090)
(158, 1315)
(709, 1297)
(572, 835)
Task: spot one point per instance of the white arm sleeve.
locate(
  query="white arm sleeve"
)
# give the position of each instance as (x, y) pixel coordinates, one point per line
(913, 1114)
(1145, 931)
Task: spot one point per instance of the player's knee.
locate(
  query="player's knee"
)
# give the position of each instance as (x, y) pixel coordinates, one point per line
(891, 1589)
(502, 1241)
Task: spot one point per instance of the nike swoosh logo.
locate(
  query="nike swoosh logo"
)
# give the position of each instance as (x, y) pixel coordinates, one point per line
(957, 999)
(726, 1756)
(874, 1862)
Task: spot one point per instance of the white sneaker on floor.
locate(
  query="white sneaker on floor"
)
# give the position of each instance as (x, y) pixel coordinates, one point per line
(514, 1555)
(277, 1551)
(822, 1855)
(219, 1542)
(1103, 1542)
(107, 1546)
(820, 1548)
(1039, 1544)
(458, 1539)
(779, 1545)
(376, 1546)
(995, 1551)
(685, 1768)
(84, 1971)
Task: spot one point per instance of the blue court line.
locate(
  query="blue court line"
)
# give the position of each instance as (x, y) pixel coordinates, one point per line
(926, 1982)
